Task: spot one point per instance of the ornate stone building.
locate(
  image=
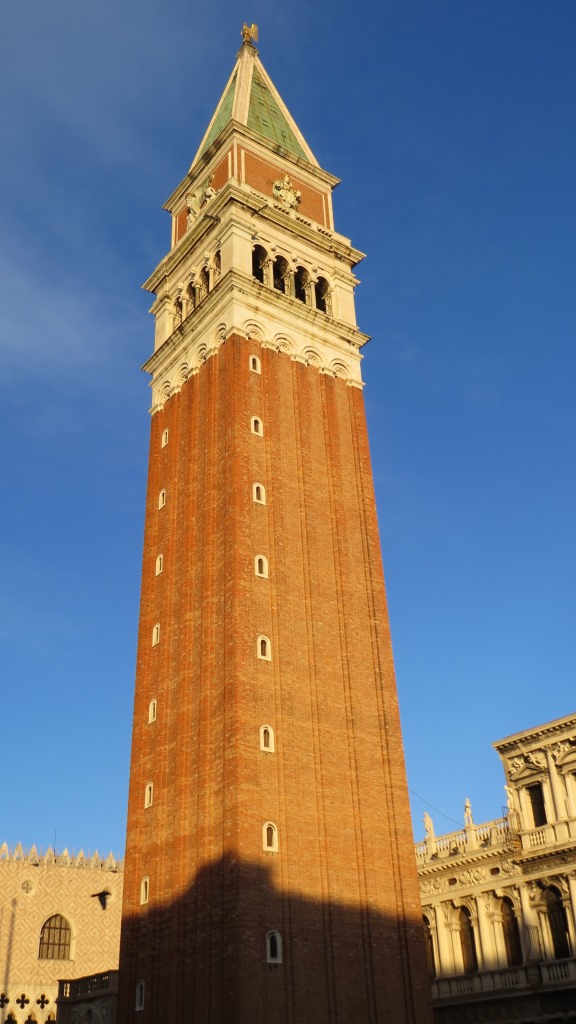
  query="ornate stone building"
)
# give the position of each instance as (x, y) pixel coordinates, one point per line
(499, 899)
(59, 917)
(269, 865)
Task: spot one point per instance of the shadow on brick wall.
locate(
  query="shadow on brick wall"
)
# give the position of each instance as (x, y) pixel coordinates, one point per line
(204, 958)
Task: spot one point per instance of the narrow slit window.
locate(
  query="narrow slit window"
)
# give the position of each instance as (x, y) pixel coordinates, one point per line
(264, 648)
(255, 364)
(144, 889)
(274, 947)
(162, 498)
(156, 635)
(257, 426)
(165, 437)
(148, 794)
(159, 564)
(270, 836)
(152, 711)
(267, 738)
(259, 494)
(261, 566)
(139, 1000)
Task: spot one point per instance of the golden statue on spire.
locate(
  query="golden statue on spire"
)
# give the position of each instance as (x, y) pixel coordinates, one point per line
(249, 33)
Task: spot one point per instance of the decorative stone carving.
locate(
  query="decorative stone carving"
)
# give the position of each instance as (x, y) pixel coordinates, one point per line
(284, 193)
(471, 876)
(535, 760)
(428, 825)
(432, 886)
(198, 198)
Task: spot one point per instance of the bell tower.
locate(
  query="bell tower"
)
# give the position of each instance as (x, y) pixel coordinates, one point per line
(270, 873)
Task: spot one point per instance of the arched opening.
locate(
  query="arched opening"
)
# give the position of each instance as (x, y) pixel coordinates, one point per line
(259, 257)
(301, 278)
(55, 939)
(148, 794)
(257, 427)
(321, 288)
(144, 889)
(270, 836)
(191, 296)
(467, 941)
(511, 933)
(159, 564)
(267, 738)
(204, 284)
(558, 922)
(261, 566)
(264, 648)
(164, 437)
(156, 635)
(216, 267)
(162, 498)
(255, 365)
(274, 947)
(139, 1000)
(152, 711)
(259, 494)
(279, 272)
(429, 944)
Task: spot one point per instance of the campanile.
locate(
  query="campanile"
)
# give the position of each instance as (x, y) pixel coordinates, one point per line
(270, 874)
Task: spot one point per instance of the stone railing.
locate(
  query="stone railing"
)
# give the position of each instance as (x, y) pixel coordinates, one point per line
(551, 973)
(493, 834)
(94, 984)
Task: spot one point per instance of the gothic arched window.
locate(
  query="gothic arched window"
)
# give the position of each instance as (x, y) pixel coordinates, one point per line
(274, 948)
(55, 939)
(301, 278)
(280, 272)
(558, 922)
(467, 941)
(511, 933)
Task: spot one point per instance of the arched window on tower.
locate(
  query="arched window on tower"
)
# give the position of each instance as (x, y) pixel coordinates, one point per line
(255, 364)
(259, 494)
(148, 795)
(273, 947)
(162, 498)
(156, 634)
(264, 648)
(257, 426)
(558, 922)
(429, 943)
(216, 267)
(159, 564)
(165, 437)
(467, 941)
(511, 933)
(259, 257)
(280, 274)
(139, 1000)
(267, 738)
(55, 939)
(152, 708)
(301, 278)
(321, 298)
(261, 566)
(270, 837)
(144, 889)
(191, 296)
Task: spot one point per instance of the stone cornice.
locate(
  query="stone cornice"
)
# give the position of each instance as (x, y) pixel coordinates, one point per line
(282, 323)
(542, 732)
(248, 201)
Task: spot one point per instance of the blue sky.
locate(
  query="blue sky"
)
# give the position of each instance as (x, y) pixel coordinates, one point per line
(451, 125)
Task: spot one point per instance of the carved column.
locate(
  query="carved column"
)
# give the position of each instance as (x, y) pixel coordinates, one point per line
(570, 907)
(487, 955)
(530, 920)
(558, 798)
(445, 953)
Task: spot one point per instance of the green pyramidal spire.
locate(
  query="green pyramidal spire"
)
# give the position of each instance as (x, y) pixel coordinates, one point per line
(251, 99)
